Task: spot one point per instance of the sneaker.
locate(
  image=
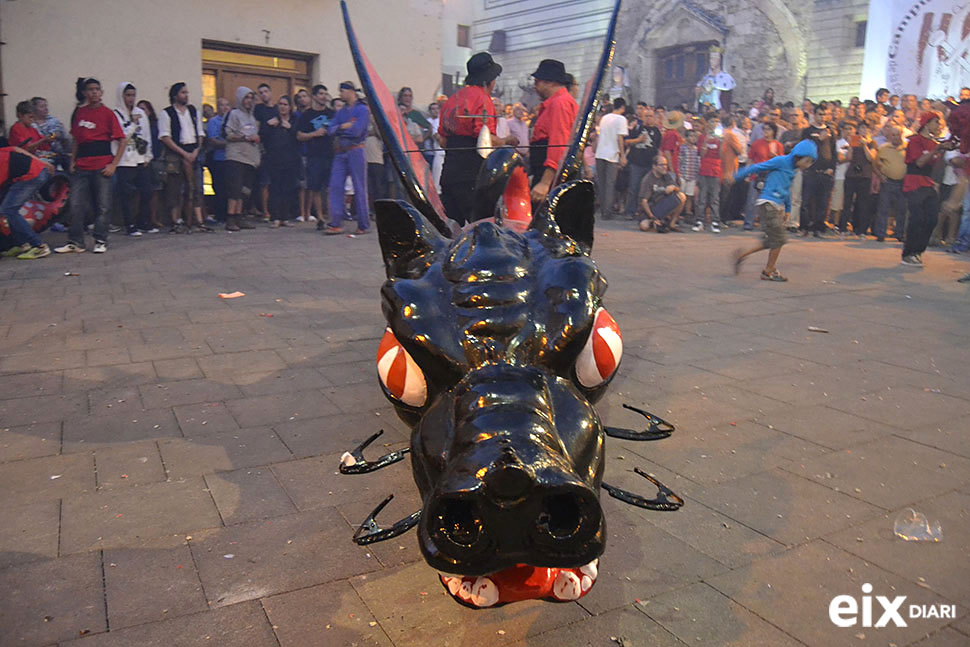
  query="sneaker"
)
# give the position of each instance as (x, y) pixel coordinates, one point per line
(58, 227)
(70, 248)
(113, 229)
(311, 219)
(698, 226)
(333, 231)
(135, 233)
(715, 227)
(100, 248)
(153, 230)
(361, 232)
(774, 276)
(300, 219)
(16, 250)
(911, 261)
(35, 253)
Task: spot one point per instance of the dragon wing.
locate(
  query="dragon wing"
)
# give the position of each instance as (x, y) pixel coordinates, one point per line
(410, 163)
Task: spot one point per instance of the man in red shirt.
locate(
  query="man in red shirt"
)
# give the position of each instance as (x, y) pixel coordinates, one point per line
(922, 152)
(552, 127)
(22, 175)
(709, 177)
(93, 128)
(461, 121)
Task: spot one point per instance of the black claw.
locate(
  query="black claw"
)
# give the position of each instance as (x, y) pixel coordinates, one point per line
(370, 532)
(657, 428)
(666, 500)
(353, 462)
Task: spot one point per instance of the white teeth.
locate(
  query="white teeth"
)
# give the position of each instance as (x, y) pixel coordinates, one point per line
(585, 583)
(590, 569)
(566, 586)
(453, 584)
(484, 592)
(347, 460)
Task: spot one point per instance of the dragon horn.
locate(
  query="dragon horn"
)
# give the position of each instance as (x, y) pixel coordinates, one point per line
(572, 161)
(419, 185)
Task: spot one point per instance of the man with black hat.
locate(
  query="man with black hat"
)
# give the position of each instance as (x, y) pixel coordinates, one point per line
(349, 128)
(552, 127)
(461, 121)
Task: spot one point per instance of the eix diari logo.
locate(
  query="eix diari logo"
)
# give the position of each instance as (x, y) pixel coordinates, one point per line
(844, 610)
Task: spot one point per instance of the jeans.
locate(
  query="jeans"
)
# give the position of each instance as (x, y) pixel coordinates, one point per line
(749, 211)
(963, 236)
(890, 197)
(90, 191)
(284, 197)
(816, 187)
(217, 169)
(131, 180)
(924, 205)
(708, 195)
(353, 163)
(606, 173)
(19, 193)
(633, 189)
(856, 205)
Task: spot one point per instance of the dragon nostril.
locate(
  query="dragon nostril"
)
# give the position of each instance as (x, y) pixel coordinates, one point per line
(507, 483)
(560, 516)
(460, 521)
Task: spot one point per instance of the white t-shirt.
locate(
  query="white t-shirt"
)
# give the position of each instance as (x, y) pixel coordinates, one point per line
(612, 126)
(842, 148)
(187, 133)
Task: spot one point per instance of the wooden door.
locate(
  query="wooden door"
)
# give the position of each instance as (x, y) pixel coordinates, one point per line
(678, 71)
(230, 80)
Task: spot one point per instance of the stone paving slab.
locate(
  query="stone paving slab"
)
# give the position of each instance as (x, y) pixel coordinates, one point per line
(214, 430)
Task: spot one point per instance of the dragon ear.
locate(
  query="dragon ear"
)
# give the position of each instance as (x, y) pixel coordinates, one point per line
(570, 208)
(408, 241)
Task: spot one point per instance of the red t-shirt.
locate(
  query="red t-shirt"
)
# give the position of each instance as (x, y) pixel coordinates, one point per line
(93, 129)
(762, 150)
(914, 149)
(709, 148)
(671, 143)
(470, 100)
(17, 167)
(554, 122)
(21, 135)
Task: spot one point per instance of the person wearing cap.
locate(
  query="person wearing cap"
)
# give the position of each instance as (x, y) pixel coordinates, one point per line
(459, 135)
(553, 125)
(922, 152)
(349, 129)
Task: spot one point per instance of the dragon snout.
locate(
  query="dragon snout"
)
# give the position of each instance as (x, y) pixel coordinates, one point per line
(514, 517)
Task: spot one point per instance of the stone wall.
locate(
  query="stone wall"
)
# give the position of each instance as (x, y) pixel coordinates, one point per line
(797, 47)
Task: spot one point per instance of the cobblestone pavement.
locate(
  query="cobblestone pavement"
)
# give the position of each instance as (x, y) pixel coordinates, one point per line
(168, 458)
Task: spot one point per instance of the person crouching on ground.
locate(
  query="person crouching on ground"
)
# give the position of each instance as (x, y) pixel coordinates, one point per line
(775, 202)
(661, 198)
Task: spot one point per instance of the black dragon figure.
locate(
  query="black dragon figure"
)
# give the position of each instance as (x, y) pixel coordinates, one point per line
(497, 347)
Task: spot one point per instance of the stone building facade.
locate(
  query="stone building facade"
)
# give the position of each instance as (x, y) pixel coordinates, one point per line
(797, 47)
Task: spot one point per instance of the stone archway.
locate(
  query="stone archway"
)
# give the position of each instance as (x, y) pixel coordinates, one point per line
(682, 23)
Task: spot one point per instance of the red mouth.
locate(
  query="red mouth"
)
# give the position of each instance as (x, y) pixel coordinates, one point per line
(522, 582)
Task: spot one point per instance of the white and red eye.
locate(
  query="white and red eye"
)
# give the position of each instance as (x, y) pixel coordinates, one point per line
(399, 373)
(601, 356)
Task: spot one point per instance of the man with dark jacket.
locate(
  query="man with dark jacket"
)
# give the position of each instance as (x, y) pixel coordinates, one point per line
(818, 180)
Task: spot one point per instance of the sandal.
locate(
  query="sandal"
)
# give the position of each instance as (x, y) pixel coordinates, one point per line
(774, 276)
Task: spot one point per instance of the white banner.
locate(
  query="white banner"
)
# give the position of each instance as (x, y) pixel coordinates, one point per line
(928, 48)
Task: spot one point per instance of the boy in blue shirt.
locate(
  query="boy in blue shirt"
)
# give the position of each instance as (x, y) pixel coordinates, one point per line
(774, 202)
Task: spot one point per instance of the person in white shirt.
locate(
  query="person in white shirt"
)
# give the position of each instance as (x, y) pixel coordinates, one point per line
(132, 175)
(180, 131)
(843, 150)
(610, 154)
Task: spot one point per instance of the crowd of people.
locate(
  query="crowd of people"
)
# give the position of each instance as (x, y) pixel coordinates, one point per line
(884, 168)
(879, 169)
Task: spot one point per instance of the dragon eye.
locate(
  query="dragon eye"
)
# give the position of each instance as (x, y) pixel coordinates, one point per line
(601, 356)
(399, 374)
